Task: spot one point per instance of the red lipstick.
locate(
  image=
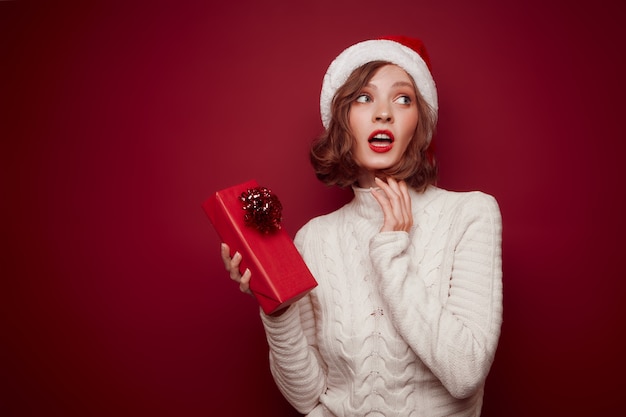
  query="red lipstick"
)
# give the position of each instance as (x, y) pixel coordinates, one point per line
(381, 141)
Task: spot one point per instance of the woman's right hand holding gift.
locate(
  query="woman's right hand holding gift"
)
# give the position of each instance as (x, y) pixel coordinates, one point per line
(232, 266)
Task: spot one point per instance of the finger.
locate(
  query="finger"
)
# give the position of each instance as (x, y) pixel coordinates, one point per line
(402, 206)
(391, 189)
(233, 267)
(387, 192)
(389, 219)
(244, 283)
(394, 194)
(395, 201)
(225, 252)
(393, 184)
(382, 184)
(382, 199)
(404, 190)
(398, 188)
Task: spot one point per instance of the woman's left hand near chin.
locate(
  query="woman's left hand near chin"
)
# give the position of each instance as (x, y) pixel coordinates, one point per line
(395, 201)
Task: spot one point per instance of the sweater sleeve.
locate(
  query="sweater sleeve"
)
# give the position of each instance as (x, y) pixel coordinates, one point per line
(456, 339)
(294, 357)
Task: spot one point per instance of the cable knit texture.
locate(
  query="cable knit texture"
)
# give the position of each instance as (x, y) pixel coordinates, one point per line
(401, 324)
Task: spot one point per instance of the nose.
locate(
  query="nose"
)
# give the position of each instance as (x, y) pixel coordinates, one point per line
(383, 114)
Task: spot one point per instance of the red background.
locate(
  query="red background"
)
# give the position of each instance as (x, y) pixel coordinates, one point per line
(117, 121)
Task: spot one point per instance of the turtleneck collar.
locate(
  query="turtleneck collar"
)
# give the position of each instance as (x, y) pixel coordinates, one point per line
(366, 206)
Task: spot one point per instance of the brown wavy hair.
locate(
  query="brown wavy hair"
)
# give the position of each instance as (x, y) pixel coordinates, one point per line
(331, 153)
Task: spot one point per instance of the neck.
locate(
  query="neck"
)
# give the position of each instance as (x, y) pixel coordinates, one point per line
(366, 180)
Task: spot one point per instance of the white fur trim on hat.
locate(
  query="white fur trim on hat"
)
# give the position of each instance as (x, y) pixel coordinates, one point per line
(376, 50)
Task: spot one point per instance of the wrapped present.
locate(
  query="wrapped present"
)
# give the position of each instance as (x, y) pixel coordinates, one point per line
(247, 218)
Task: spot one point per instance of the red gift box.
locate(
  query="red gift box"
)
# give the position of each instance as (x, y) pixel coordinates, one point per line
(279, 274)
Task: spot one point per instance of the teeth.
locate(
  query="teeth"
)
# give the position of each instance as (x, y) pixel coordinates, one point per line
(381, 137)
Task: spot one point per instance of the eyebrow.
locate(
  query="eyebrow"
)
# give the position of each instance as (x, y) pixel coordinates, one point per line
(402, 84)
(394, 85)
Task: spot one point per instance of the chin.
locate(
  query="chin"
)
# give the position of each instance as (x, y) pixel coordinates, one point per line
(380, 166)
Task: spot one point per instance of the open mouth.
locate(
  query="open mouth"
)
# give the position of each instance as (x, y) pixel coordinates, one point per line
(381, 141)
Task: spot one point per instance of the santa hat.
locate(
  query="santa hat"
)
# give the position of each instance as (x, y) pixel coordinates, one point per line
(408, 53)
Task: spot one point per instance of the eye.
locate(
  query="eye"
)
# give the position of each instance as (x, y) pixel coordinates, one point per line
(404, 100)
(363, 98)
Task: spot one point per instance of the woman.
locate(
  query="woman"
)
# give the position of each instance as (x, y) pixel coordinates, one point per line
(406, 317)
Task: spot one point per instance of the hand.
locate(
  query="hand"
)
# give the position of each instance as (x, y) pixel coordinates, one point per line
(232, 266)
(395, 201)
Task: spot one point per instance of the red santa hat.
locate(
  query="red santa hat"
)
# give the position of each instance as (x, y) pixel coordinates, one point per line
(407, 53)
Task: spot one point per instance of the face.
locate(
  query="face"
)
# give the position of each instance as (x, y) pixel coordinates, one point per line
(383, 119)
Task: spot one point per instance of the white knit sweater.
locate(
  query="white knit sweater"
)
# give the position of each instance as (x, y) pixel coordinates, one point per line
(401, 324)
